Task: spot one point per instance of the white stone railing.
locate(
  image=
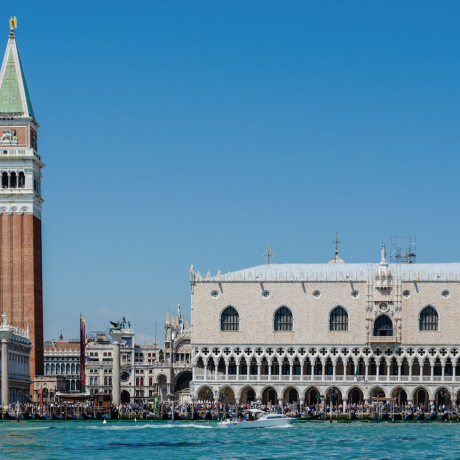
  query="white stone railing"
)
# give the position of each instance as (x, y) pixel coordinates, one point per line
(330, 378)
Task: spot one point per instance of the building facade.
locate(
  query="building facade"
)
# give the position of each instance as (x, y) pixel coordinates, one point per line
(21, 294)
(63, 359)
(288, 332)
(137, 365)
(18, 346)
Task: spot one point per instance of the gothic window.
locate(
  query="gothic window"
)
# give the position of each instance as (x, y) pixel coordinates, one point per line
(283, 319)
(230, 320)
(90, 380)
(62, 369)
(338, 319)
(428, 319)
(150, 381)
(383, 326)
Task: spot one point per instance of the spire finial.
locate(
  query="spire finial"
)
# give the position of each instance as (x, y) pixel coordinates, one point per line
(13, 24)
(336, 242)
(269, 255)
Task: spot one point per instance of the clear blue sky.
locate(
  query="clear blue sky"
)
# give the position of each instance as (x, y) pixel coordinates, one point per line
(200, 131)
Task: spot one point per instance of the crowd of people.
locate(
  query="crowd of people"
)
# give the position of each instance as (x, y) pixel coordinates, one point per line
(210, 411)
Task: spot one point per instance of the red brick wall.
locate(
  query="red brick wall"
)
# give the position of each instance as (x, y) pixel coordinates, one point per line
(21, 283)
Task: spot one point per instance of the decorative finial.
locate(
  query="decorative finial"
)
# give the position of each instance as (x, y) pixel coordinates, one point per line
(336, 242)
(269, 255)
(13, 24)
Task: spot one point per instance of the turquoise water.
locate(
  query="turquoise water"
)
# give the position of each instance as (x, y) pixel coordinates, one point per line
(146, 440)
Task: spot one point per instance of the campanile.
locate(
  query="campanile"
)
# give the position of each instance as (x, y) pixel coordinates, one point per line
(21, 292)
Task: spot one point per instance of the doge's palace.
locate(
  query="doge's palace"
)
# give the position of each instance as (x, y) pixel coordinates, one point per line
(289, 332)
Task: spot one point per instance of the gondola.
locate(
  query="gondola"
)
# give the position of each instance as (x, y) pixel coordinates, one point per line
(420, 417)
(409, 417)
(443, 417)
(57, 417)
(432, 417)
(313, 417)
(88, 417)
(386, 416)
(353, 416)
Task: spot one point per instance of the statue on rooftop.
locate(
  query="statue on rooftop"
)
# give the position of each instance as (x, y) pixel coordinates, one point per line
(4, 320)
(384, 252)
(116, 326)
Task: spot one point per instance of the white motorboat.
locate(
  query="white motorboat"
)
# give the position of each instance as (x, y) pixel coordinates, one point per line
(261, 420)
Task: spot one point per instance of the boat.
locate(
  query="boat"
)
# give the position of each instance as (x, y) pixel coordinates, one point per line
(432, 417)
(420, 417)
(261, 420)
(443, 417)
(409, 417)
(313, 417)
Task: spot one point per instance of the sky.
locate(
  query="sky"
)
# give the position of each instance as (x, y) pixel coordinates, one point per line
(200, 132)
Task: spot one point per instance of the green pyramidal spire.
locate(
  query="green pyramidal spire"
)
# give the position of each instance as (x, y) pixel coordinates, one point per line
(14, 95)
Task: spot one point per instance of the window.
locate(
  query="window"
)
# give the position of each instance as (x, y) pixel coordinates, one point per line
(428, 319)
(355, 294)
(214, 294)
(406, 294)
(316, 294)
(283, 319)
(47, 369)
(445, 294)
(230, 320)
(266, 294)
(338, 319)
(383, 327)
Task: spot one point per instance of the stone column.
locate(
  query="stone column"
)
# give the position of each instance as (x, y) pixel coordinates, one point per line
(290, 371)
(280, 369)
(237, 370)
(410, 371)
(216, 371)
(323, 371)
(270, 370)
(259, 370)
(116, 391)
(205, 371)
(333, 370)
(226, 371)
(5, 333)
(367, 371)
(443, 370)
(388, 370)
(421, 364)
(432, 372)
(377, 370)
(301, 369)
(399, 371)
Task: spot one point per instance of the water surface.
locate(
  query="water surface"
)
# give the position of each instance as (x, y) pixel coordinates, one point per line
(148, 440)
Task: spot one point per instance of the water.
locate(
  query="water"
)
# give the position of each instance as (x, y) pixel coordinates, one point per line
(153, 440)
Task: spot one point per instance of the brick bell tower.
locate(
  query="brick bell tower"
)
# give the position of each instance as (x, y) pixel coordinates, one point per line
(21, 292)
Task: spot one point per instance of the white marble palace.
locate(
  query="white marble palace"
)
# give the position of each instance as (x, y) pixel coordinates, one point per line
(288, 332)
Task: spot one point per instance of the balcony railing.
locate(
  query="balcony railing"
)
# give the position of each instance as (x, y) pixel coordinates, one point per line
(383, 339)
(330, 378)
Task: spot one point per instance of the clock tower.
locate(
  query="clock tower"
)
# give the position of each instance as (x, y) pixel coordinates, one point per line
(21, 292)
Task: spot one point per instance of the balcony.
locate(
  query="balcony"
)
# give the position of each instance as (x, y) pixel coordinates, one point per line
(330, 379)
(383, 339)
